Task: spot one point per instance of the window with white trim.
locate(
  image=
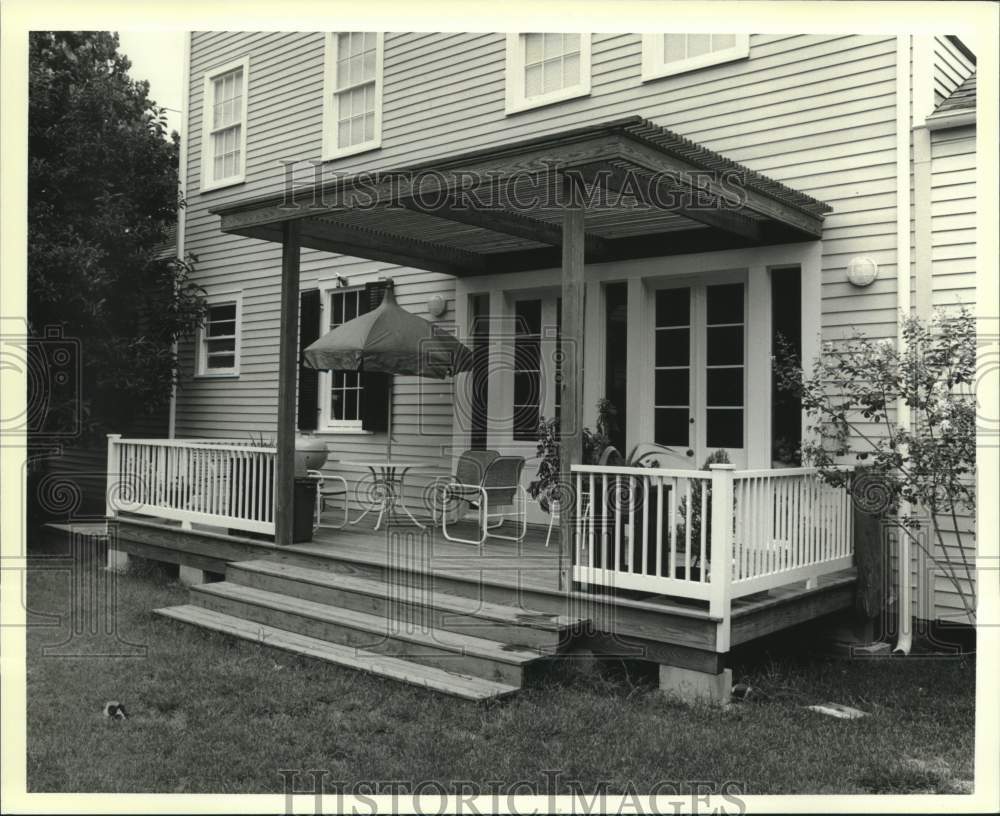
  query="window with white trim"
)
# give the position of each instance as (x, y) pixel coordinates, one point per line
(345, 403)
(224, 126)
(543, 68)
(667, 54)
(219, 340)
(352, 110)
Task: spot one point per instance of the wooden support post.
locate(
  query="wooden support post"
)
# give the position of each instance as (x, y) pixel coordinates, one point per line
(112, 486)
(284, 488)
(571, 402)
(722, 552)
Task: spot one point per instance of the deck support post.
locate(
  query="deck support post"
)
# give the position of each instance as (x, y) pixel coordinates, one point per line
(691, 686)
(117, 560)
(284, 488)
(191, 576)
(571, 375)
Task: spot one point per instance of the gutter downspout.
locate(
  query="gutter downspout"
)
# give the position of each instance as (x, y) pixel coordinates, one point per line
(182, 195)
(903, 132)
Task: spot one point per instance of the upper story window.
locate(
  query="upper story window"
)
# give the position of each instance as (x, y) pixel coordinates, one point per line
(352, 112)
(666, 54)
(219, 340)
(224, 131)
(546, 68)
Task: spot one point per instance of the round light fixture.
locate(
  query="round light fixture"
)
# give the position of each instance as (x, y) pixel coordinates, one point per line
(437, 305)
(862, 271)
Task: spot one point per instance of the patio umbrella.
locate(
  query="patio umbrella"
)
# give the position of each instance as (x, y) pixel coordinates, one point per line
(389, 340)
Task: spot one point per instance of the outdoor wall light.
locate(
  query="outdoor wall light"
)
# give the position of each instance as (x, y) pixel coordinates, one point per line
(437, 306)
(861, 270)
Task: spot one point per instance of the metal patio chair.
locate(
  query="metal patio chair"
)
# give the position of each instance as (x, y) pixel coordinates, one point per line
(485, 480)
(325, 492)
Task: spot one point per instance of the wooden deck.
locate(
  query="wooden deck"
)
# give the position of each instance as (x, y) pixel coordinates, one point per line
(526, 574)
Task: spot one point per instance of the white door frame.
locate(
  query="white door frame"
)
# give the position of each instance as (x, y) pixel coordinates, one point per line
(754, 263)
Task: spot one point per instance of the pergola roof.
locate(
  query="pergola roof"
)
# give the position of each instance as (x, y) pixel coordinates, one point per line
(646, 191)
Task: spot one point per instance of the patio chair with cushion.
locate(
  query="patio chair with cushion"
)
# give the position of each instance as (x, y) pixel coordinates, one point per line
(462, 492)
(490, 484)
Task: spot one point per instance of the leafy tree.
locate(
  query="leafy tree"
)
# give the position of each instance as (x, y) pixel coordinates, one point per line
(102, 193)
(922, 472)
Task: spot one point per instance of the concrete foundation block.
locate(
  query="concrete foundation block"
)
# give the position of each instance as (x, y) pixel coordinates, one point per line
(692, 686)
(117, 560)
(190, 576)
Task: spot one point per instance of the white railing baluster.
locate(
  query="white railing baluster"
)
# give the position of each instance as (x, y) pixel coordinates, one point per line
(672, 555)
(644, 568)
(193, 481)
(616, 509)
(590, 519)
(630, 552)
(702, 563)
(659, 525)
(687, 534)
(784, 526)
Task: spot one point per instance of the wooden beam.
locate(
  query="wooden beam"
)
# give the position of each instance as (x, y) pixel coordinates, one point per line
(284, 489)
(571, 374)
(364, 242)
(503, 221)
(654, 191)
(676, 242)
(646, 157)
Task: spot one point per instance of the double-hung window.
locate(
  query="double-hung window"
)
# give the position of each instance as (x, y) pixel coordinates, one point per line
(345, 396)
(352, 112)
(667, 54)
(219, 340)
(224, 126)
(546, 67)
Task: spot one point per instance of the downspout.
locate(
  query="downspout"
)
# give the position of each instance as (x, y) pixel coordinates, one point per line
(903, 48)
(182, 196)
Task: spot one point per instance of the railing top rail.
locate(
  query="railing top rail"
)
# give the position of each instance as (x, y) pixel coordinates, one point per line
(642, 471)
(198, 444)
(779, 472)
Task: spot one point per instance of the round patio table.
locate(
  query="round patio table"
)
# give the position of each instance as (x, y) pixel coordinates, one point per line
(387, 493)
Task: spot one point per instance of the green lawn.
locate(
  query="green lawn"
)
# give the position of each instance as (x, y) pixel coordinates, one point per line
(212, 715)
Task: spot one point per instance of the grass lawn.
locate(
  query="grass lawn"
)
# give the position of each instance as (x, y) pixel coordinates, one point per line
(209, 714)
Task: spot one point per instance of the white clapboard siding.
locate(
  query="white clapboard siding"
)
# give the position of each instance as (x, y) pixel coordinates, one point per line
(953, 217)
(815, 112)
(951, 68)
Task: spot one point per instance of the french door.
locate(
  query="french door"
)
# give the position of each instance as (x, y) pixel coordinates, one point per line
(699, 372)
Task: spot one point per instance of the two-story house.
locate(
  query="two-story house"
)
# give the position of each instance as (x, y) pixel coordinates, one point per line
(627, 217)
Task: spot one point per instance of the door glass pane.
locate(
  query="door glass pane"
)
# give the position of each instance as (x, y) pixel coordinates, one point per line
(671, 427)
(724, 428)
(673, 307)
(672, 387)
(725, 303)
(673, 347)
(725, 345)
(725, 386)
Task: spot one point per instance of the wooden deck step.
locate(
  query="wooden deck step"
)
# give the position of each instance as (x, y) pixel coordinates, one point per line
(407, 603)
(452, 651)
(429, 677)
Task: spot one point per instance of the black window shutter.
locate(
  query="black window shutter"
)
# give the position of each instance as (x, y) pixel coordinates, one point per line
(308, 413)
(375, 394)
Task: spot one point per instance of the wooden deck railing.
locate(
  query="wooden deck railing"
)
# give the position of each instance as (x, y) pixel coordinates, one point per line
(709, 535)
(225, 483)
